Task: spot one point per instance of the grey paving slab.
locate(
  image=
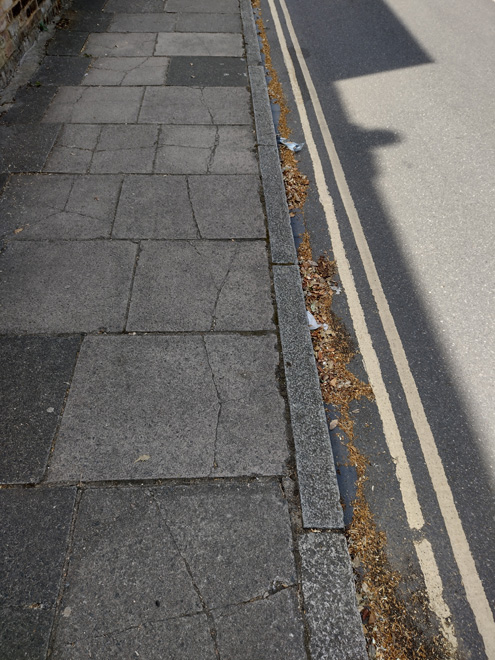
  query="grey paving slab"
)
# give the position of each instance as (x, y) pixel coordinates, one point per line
(59, 206)
(126, 149)
(266, 629)
(30, 105)
(282, 246)
(184, 105)
(155, 207)
(66, 43)
(183, 286)
(216, 44)
(116, 44)
(201, 22)
(319, 491)
(124, 561)
(131, 6)
(212, 6)
(227, 206)
(73, 149)
(156, 398)
(63, 287)
(91, 105)
(207, 71)
(251, 435)
(61, 71)
(158, 22)
(33, 382)
(329, 598)
(87, 17)
(25, 148)
(35, 527)
(236, 538)
(185, 149)
(234, 153)
(228, 106)
(127, 71)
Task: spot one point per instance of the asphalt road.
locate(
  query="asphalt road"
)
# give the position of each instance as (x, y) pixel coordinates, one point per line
(407, 90)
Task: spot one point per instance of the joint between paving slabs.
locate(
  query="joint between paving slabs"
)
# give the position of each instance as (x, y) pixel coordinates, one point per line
(211, 158)
(206, 610)
(214, 464)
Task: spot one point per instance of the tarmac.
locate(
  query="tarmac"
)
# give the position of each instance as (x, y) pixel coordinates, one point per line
(168, 485)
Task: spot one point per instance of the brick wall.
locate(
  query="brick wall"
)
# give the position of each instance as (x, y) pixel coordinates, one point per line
(20, 22)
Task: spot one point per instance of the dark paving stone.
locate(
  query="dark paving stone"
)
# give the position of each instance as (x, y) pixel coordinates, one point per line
(30, 105)
(207, 71)
(25, 148)
(133, 7)
(33, 543)
(3, 180)
(61, 71)
(93, 6)
(67, 42)
(85, 19)
(150, 556)
(33, 382)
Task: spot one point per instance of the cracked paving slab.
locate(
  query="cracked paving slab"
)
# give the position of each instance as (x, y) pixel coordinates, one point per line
(59, 206)
(127, 71)
(188, 105)
(157, 397)
(144, 559)
(184, 286)
(155, 207)
(205, 150)
(93, 105)
(73, 149)
(145, 22)
(47, 287)
(127, 149)
(114, 44)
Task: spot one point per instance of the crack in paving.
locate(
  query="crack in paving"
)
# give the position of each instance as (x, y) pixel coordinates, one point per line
(220, 289)
(209, 164)
(206, 610)
(189, 195)
(220, 403)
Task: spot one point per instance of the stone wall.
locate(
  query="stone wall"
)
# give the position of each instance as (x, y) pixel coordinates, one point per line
(20, 23)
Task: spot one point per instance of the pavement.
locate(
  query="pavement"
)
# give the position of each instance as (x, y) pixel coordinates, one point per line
(168, 486)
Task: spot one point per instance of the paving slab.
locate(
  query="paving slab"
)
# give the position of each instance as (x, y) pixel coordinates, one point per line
(183, 105)
(86, 17)
(33, 383)
(157, 397)
(131, 6)
(329, 598)
(216, 44)
(127, 149)
(30, 104)
(67, 42)
(33, 543)
(185, 149)
(227, 206)
(251, 436)
(25, 148)
(116, 44)
(127, 71)
(235, 152)
(207, 71)
(201, 22)
(155, 207)
(59, 206)
(205, 546)
(212, 6)
(73, 149)
(267, 629)
(92, 105)
(65, 286)
(158, 22)
(61, 71)
(184, 286)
